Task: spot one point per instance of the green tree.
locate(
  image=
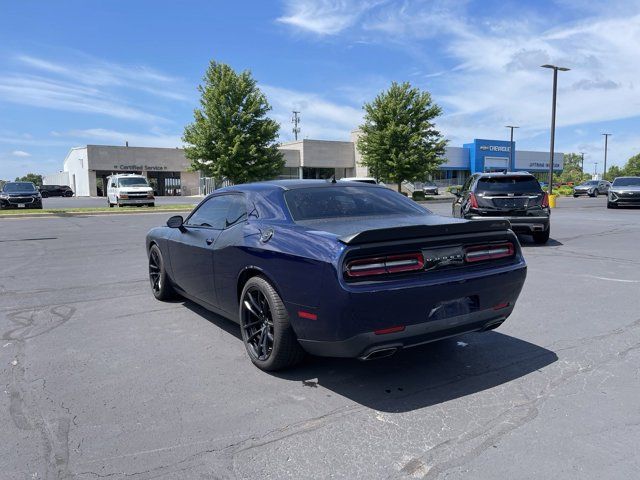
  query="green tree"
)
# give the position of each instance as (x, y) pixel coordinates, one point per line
(31, 177)
(613, 172)
(632, 167)
(399, 140)
(231, 136)
(572, 170)
(2, 182)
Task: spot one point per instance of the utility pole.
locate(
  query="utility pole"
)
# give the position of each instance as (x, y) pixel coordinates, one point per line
(555, 69)
(511, 165)
(295, 119)
(606, 138)
(582, 163)
(595, 169)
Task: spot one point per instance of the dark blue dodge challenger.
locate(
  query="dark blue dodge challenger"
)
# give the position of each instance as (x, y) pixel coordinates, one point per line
(335, 269)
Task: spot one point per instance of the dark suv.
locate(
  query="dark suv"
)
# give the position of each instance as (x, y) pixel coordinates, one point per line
(55, 191)
(20, 195)
(516, 197)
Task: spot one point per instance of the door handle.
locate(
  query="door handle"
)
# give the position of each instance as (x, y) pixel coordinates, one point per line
(209, 241)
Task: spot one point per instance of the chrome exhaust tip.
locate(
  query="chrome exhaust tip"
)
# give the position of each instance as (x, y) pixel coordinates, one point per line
(380, 353)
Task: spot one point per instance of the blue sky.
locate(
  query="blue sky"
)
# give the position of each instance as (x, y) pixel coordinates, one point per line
(78, 72)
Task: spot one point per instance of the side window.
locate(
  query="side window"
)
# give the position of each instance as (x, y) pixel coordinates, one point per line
(219, 212)
(237, 210)
(468, 183)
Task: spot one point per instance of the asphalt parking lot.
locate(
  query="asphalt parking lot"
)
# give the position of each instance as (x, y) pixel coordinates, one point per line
(101, 380)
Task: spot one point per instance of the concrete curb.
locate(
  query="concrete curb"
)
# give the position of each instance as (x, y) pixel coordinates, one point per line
(93, 214)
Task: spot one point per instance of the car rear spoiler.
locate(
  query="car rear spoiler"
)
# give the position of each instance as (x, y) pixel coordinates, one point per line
(419, 231)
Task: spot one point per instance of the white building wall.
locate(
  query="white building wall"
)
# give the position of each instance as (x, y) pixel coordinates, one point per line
(537, 161)
(76, 166)
(60, 178)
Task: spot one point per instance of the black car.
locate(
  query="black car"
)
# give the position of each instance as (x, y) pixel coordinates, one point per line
(55, 191)
(20, 195)
(516, 197)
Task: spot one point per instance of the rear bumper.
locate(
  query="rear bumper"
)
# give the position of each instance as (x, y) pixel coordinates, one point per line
(367, 343)
(528, 224)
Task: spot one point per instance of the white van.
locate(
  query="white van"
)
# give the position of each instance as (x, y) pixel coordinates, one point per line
(129, 189)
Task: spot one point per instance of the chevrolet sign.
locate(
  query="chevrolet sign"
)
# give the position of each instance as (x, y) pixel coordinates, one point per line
(495, 148)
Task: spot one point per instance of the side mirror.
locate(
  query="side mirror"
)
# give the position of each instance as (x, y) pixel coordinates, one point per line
(175, 222)
(455, 191)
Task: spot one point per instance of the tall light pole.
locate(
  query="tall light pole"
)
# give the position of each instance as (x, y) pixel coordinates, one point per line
(595, 169)
(555, 69)
(511, 145)
(606, 138)
(582, 163)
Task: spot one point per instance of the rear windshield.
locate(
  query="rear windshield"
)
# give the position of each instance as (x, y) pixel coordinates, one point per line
(132, 182)
(627, 182)
(19, 187)
(340, 202)
(515, 184)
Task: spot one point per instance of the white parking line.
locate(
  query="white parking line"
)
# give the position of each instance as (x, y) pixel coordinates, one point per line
(612, 279)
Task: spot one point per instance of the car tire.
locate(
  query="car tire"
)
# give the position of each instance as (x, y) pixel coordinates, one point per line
(151, 205)
(262, 312)
(160, 283)
(542, 237)
(68, 194)
(595, 193)
(611, 205)
(44, 194)
(575, 196)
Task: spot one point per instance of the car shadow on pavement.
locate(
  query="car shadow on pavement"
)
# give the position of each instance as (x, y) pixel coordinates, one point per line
(426, 375)
(417, 377)
(528, 242)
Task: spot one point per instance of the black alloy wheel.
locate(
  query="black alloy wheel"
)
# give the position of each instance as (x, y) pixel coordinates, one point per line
(264, 323)
(596, 193)
(258, 324)
(44, 194)
(160, 285)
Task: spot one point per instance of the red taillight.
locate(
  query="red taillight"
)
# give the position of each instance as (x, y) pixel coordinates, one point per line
(473, 201)
(479, 253)
(545, 201)
(384, 331)
(501, 305)
(364, 267)
(307, 315)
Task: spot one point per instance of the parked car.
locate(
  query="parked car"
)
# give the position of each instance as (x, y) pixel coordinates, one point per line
(359, 179)
(624, 191)
(129, 189)
(593, 188)
(55, 191)
(20, 195)
(516, 197)
(429, 188)
(335, 269)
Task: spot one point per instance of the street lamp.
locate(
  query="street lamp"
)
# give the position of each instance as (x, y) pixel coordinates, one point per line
(511, 145)
(582, 163)
(606, 138)
(555, 69)
(595, 169)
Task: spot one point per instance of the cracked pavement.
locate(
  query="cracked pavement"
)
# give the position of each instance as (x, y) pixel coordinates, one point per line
(102, 381)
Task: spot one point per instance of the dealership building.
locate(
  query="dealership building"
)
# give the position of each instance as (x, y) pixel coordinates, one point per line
(168, 171)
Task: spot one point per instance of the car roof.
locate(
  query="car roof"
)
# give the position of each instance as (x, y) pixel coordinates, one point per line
(508, 174)
(293, 185)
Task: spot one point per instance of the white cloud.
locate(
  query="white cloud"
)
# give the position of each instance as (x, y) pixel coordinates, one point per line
(20, 153)
(113, 137)
(320, 118)
(323, 17)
